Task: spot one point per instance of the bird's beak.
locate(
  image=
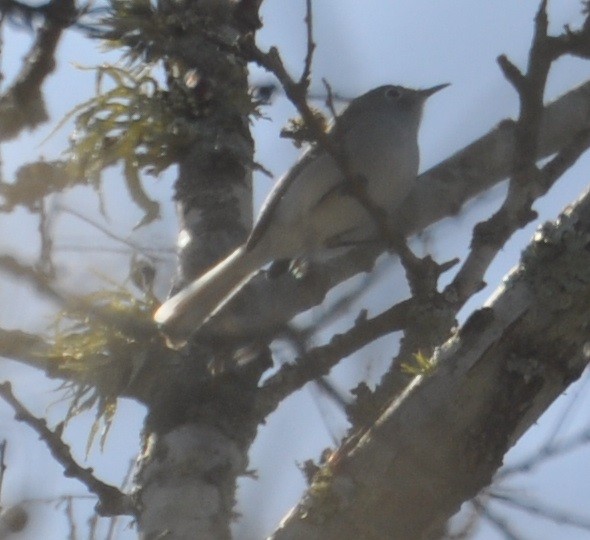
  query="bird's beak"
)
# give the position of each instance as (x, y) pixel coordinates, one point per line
(429, 91)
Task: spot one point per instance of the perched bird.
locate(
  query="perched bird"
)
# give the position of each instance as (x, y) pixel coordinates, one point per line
(310, 208)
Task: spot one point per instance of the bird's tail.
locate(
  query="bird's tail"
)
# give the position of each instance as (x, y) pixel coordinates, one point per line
(187, 310)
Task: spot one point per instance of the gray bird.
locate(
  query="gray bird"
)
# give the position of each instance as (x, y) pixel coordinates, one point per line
(309, 210)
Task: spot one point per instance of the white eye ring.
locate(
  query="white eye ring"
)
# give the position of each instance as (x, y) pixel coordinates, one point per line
(392, 93)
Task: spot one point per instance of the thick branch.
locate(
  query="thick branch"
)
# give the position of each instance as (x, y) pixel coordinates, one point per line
(443, 439)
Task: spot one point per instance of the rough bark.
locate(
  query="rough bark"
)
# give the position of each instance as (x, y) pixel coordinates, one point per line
(441, 442)
(193, 455)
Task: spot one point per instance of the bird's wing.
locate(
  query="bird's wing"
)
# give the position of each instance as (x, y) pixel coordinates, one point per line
(274, 198)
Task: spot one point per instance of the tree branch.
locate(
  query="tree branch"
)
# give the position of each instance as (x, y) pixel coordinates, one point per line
(22, 105)
(116, 319)
(320, 360)
(111, 500)
(527, 183)
(441, 442)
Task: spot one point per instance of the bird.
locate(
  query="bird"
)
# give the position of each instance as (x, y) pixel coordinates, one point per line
(310, 208)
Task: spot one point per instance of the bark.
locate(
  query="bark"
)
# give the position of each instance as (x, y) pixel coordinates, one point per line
(192, 456)
(441, 442)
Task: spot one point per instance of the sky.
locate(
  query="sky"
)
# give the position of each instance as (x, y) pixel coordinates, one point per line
(360, 45)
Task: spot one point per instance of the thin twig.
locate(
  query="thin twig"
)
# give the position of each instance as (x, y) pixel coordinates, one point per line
(92, 526)
(343, 304)
(109, 317)
(124, 485)
(560, 421)
(45, 264)
(111, 500)
(497, 521)
(543, 511)
(80, 248)
(469, 527)
(527, 183)
(544, 454)
(318, 361)
(329, 98)
(511, 72)
(109, 234)
(305, 78)
(71, 519)
(2, 466)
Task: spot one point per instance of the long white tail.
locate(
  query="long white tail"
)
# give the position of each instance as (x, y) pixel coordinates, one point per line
(187, 310)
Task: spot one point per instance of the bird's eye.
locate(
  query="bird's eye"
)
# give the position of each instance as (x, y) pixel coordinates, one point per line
(392, 93)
